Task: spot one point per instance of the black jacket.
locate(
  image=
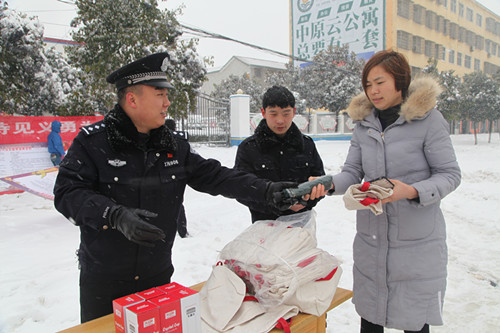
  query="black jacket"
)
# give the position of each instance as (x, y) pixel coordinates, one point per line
(291, 158)
(111, 163)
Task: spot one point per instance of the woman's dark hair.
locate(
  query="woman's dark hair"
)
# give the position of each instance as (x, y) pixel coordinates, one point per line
(395, 64)
(278, 96)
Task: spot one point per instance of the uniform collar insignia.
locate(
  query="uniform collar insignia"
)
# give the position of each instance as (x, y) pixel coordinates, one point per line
(117, 163)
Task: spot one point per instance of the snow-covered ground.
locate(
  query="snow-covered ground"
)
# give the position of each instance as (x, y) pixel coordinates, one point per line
(39, 274)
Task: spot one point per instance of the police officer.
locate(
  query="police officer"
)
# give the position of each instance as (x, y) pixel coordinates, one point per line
(122, 182)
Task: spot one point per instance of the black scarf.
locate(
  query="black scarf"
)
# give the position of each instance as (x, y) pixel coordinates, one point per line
(388, 116)
(123, 134)
(266, 138)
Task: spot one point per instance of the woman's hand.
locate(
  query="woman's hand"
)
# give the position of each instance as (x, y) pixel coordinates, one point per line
(401, 191)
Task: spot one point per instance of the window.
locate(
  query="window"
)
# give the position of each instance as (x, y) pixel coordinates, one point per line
(453, 30)
(459, 59)
(461, 34)
(477, 65)
(439, 52)
(460, 9)
(439, 23)
(467, 61)
(469, 38)
(487, 46)
(453, 6)
(404, 8)
(469, 15)
(479, 42)
(429, 19)
(479, 20)
(403, 40)
(418, 14)
(429, 48)
(417, 44)
(257, 72)
(451, 56)
(494, 48)
(490, 24)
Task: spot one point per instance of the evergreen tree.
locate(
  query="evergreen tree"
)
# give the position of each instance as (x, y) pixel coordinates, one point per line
(116, 32)
(480, 92)
(33, 81)
(248, 86)
(450, 100)
(332, 79)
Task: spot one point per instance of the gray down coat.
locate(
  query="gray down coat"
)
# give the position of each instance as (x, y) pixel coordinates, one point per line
(400, 256)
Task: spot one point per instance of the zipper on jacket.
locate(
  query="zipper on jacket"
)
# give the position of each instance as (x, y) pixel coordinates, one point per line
(382, 135)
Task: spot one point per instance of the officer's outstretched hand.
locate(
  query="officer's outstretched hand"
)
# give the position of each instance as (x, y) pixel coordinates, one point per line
(274, 197)
(132, 223)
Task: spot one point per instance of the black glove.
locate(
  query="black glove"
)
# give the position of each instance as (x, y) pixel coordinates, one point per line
(132, 223)
(273, 197)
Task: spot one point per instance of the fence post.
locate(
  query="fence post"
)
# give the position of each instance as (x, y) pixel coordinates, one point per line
(240, 118)
(314, 122)
(341, 123)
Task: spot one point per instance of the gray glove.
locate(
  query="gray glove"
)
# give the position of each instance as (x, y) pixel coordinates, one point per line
(132, 223)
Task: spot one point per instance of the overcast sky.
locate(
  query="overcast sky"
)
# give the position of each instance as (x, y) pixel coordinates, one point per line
(261, 22)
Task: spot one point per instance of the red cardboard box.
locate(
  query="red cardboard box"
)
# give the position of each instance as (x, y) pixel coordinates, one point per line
(170, 287)
(190, 309)
(143, 318)
(151, 293)
(169, 312)
(119, 307)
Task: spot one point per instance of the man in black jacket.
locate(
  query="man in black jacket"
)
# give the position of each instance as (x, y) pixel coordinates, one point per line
(122, 182)
(278, 151)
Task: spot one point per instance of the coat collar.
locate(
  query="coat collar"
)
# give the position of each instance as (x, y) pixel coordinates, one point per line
(422, 97)
(266, 138)
(122, 134)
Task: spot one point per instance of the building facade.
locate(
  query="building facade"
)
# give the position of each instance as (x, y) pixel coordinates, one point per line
(462, 35)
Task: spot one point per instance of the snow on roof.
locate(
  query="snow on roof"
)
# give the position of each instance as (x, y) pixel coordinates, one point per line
(251, 62)
(261, 62)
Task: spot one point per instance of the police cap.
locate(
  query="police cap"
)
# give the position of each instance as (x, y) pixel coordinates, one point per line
(149, 70)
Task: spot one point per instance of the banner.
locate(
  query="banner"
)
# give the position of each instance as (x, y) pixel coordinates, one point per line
(317, 25)
(14, 129)
(39, 182)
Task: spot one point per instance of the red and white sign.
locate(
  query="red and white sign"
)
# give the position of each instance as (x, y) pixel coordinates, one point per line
(14, 129)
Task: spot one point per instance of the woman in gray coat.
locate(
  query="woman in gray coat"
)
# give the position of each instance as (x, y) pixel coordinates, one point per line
(400, 256)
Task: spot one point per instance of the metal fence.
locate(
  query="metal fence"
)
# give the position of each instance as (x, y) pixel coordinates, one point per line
(210, 123)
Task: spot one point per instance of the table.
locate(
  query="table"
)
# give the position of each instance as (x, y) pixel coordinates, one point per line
(301, 323)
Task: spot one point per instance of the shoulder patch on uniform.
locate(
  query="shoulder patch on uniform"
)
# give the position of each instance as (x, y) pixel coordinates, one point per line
(307, 137)
(93, 128)
(180, 134)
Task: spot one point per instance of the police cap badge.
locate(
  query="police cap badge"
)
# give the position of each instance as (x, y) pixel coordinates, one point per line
(149, 70)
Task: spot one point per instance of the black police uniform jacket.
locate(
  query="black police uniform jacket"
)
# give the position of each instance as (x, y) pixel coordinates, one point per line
(111, 163)
(291, 158)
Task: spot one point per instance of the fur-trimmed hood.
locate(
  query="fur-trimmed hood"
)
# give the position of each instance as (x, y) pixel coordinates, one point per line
(422, 97)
